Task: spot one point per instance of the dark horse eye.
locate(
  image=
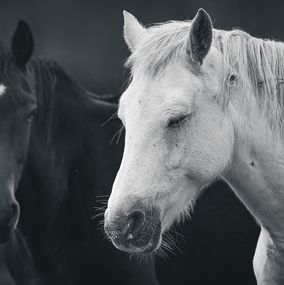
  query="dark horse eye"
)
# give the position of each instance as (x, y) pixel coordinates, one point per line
(177, 122)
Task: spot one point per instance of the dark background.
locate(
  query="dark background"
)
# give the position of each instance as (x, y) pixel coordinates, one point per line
(86, 35)
(86, 38)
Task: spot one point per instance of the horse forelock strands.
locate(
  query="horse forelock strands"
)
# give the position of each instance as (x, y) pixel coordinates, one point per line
(160, 46)
(7, 61)
(6, 58)
(255, 62)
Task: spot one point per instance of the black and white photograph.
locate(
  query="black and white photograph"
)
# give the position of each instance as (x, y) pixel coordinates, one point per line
(142, 142)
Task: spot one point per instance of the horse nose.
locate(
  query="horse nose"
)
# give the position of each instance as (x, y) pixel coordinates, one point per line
(134, 224)
(9, 215)
(137, 230)
(125, 226)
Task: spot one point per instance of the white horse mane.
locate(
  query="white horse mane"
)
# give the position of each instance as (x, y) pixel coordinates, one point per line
(256, 62)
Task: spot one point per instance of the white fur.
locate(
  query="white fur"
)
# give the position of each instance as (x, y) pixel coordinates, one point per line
(233, 131)
(133, 31)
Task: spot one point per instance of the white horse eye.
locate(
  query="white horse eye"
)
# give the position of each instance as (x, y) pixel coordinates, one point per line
(232, 79)
(177, 121)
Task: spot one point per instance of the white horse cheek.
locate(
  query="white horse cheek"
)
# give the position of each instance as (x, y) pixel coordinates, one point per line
(209, 148)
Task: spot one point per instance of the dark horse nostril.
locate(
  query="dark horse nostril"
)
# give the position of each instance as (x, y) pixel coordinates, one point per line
(134, 224)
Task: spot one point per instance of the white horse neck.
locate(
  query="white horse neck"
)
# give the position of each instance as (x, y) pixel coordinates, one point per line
(256, 172)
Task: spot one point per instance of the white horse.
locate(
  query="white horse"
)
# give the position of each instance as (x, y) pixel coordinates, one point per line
(203, 104)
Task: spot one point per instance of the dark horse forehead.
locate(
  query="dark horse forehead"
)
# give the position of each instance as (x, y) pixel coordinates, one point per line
(16, 80)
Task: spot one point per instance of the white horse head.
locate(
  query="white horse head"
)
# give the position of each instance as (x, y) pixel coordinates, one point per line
(202, 104)
(178, 138)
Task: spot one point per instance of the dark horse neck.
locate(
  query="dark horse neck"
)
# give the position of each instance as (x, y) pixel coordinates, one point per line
(71, 160)
(67, 141)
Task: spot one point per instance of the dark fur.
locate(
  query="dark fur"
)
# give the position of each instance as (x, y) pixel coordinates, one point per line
(15, 107)
(19, 261)
(71, 161)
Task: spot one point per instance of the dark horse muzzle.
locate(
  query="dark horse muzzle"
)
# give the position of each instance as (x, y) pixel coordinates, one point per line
(138, 231)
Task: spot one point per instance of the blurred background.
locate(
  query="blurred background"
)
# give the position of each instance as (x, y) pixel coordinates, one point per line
(86, 38)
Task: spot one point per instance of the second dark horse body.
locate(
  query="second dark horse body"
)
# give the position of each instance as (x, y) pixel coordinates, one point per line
(70, 162)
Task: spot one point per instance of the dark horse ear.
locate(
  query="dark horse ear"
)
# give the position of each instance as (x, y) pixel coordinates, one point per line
(200, 36)
(22, 43)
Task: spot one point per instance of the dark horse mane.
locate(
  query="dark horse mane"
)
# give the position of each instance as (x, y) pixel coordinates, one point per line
(62, 122)
(71, 161)
(49, 73)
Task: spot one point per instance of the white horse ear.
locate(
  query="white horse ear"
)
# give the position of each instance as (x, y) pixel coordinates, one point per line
(133, 30)
(200, 37)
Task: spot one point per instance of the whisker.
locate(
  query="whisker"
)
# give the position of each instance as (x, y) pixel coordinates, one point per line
(118, 133)
(102, 202)
(97, 215)
(102, 208)
(105, 195)
(113, 116)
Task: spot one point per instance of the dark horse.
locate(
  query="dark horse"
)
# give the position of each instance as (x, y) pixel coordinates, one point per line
(17, 105)
(71, 161)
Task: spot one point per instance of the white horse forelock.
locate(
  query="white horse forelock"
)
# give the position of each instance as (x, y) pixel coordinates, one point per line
(255, 62)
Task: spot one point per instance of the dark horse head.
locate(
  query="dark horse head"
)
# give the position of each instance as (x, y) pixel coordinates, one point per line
(17, 105)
